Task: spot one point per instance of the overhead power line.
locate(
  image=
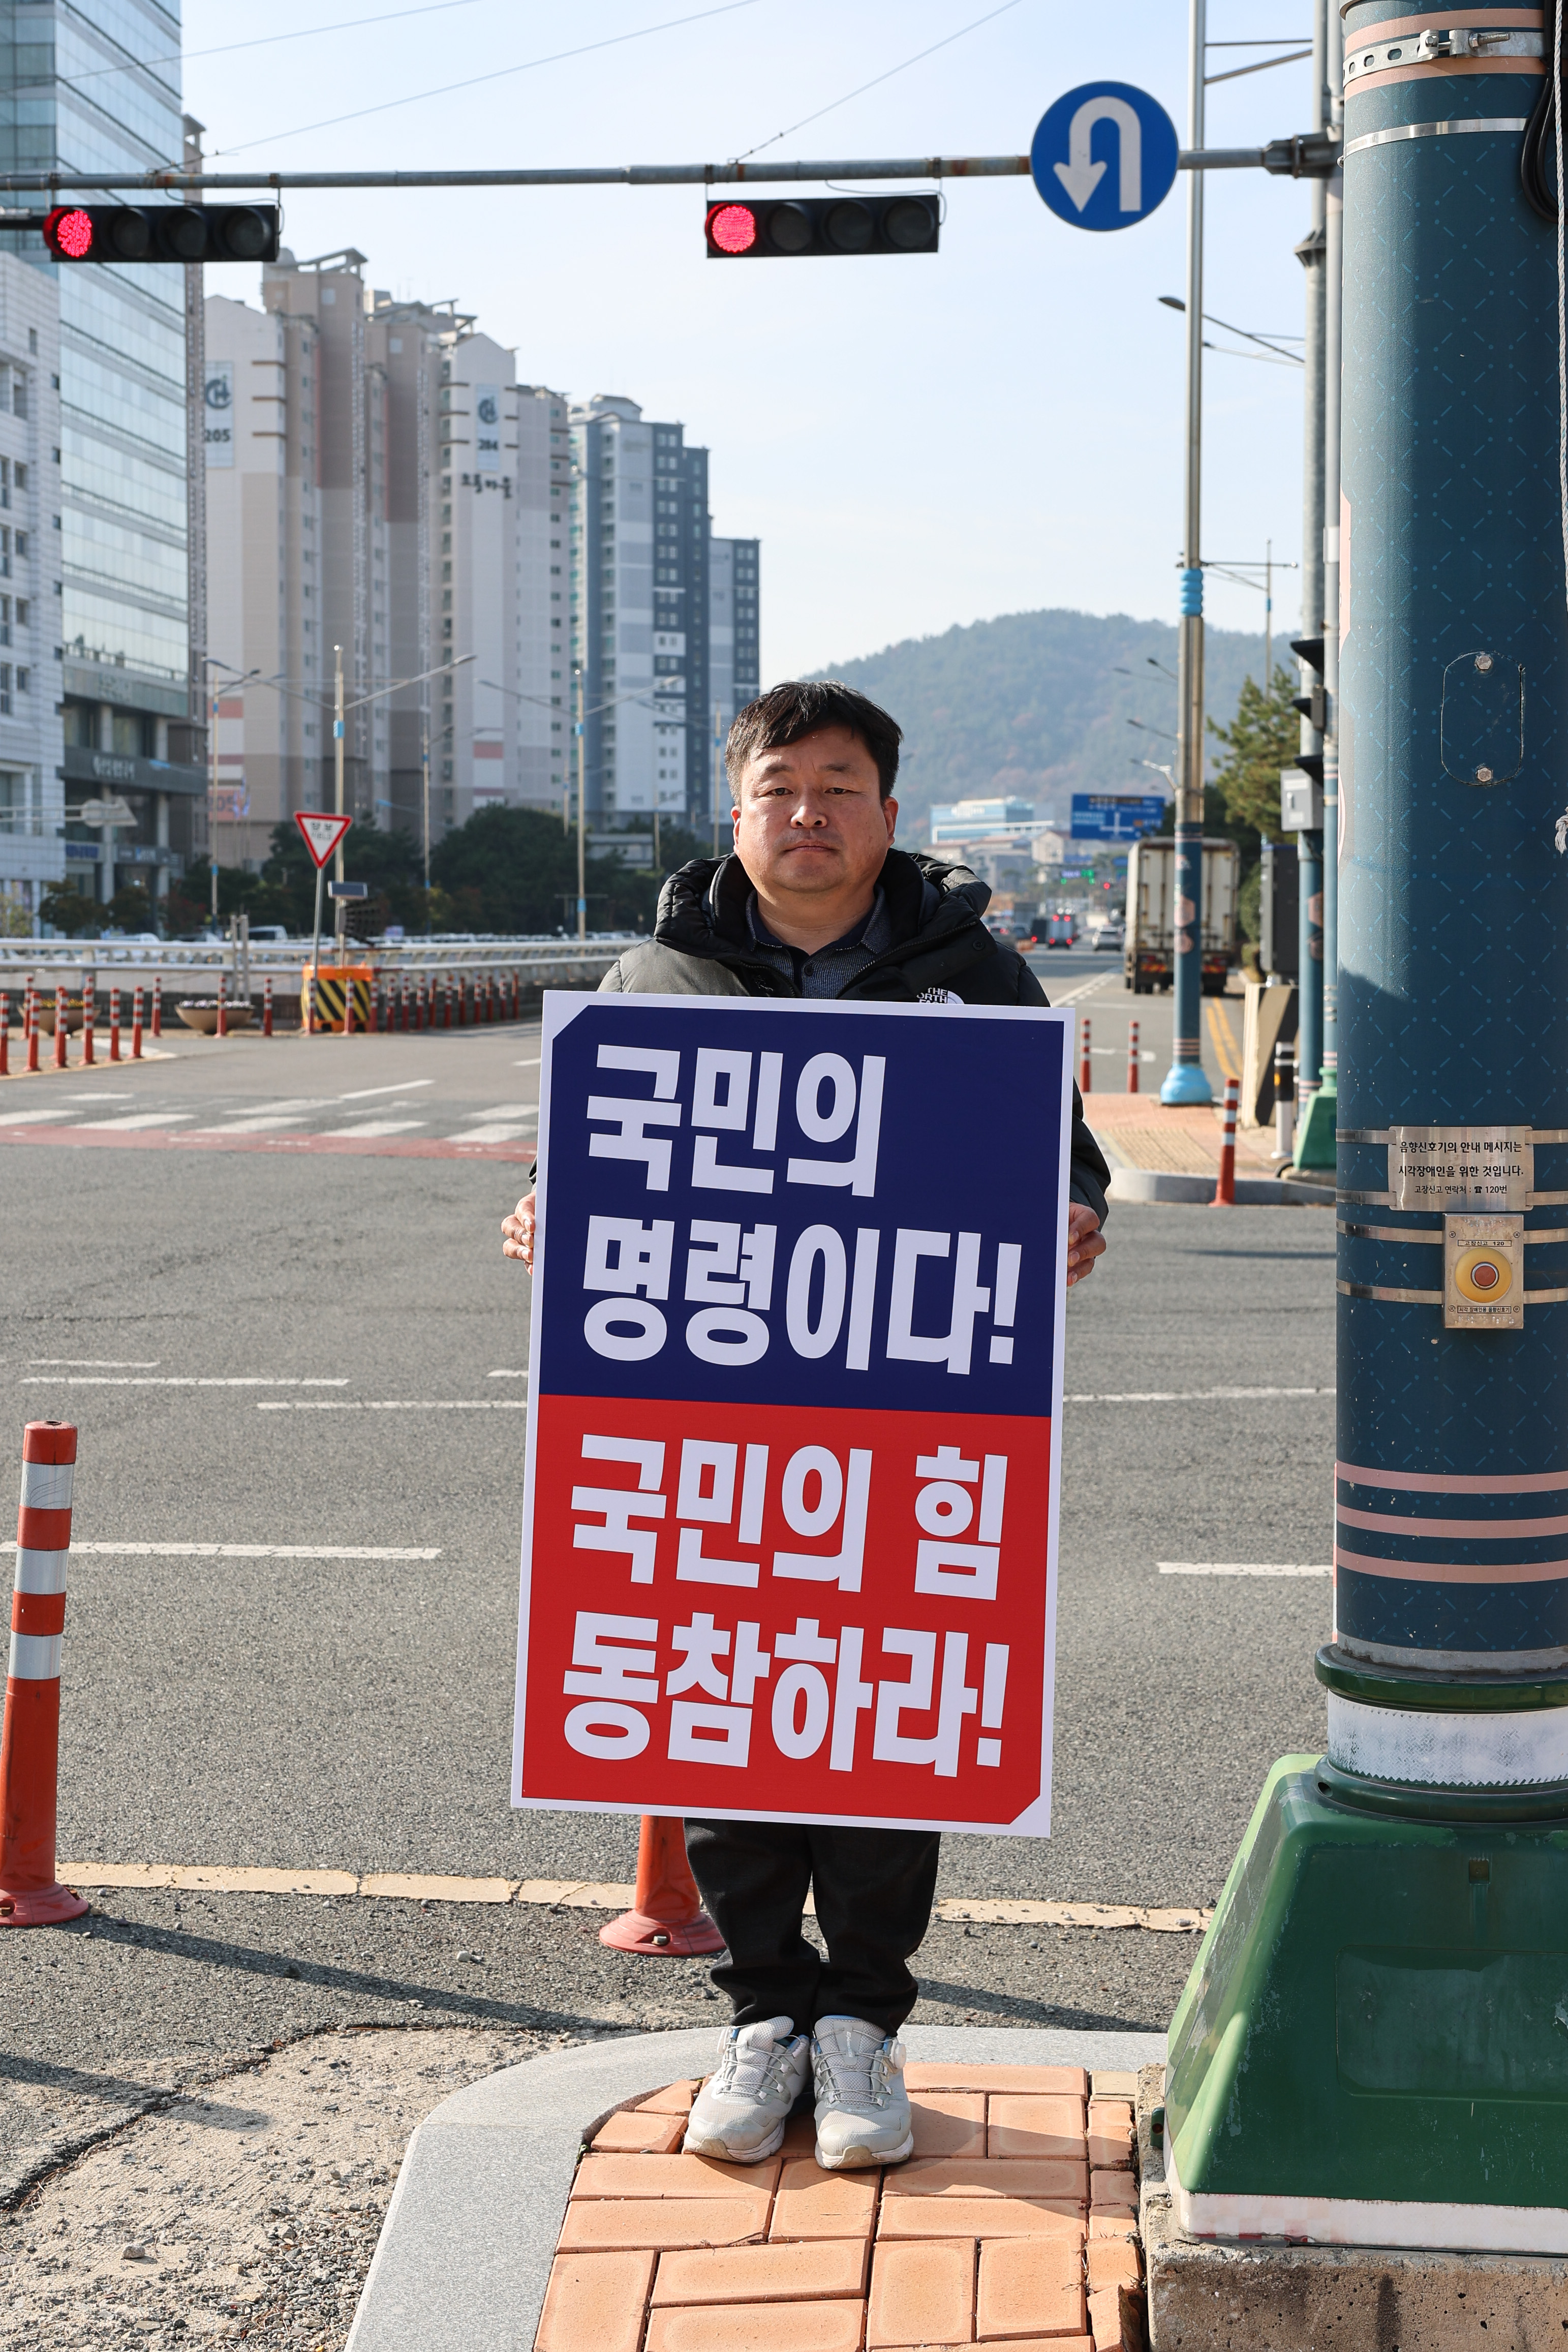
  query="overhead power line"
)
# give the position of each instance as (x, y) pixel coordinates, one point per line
(877, 81)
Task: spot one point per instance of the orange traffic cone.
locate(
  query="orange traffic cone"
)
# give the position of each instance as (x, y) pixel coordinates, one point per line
(666, 1921)
(29, 1746)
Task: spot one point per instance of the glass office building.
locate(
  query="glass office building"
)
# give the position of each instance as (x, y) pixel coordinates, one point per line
(96, 85)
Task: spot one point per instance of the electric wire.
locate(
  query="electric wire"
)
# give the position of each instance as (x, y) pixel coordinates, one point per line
(499, 73)
(263, 41)
(875, 83)
(1539, 194)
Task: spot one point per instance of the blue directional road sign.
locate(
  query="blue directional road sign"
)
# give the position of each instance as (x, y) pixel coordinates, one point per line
(1104, 155)
(1116, 817)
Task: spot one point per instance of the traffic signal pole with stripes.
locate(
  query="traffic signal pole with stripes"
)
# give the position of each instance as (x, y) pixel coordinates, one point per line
(1372, 2048)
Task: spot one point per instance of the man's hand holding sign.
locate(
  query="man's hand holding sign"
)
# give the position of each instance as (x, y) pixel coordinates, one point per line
(790, 1525)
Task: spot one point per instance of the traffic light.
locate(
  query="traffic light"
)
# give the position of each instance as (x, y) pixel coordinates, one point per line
(161, 232)
(785, 229)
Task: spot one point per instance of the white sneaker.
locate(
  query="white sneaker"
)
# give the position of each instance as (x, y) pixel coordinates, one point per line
(741, 2110)
(862, 2107)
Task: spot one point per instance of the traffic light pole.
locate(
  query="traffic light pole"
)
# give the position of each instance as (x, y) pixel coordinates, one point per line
(1185, 1081)
(1370, 2049)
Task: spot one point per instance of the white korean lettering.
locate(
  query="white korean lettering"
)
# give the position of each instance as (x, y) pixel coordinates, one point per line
(858, 1172)
(1009, 1258)
(702, 1644)
(851, 1698)
(622, 1504)
(835, 1493)
(701, 1733)
(752, 1666)
(625, 1256)
(608, 1675)
(862, 1300)
(944, 1511)
(632, 1116)
(724, 1333)
(707, 1495)
(800, 1702)
(818, 1243)
(957, 1699)
(720, 1097)
(953, 1346)
(993, 1691)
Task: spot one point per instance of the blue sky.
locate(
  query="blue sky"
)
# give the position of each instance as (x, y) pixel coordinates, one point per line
(917, 442)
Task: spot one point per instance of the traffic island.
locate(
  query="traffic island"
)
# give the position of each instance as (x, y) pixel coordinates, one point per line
(555, 2195)
(1208, 2296)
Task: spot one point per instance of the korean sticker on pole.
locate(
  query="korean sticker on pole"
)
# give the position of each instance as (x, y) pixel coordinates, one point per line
(790, 1493)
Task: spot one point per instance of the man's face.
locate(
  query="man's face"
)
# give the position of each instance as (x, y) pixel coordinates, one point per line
(809, 817)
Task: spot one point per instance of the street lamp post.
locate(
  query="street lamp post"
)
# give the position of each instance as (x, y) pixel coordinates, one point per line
(1184, 1081)
(582, 814)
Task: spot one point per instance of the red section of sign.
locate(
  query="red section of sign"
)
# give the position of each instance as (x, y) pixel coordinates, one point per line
(788, 1613)
(322, 834)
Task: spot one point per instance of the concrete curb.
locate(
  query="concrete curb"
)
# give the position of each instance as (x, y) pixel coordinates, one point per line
(464, 2252)
(1159, 1184)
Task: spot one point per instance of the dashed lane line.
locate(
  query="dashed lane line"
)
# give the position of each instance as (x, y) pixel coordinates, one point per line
(393, 1404)
(172, 1381)
(1185, 1396)
(135, 1551)
(582, 1894)
(1236, 1567)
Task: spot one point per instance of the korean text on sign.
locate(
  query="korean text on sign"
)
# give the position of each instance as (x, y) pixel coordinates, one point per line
(790, 1542)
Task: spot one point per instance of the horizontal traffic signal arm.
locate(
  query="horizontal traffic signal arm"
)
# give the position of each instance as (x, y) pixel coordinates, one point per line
(131, 233)
(795, 228)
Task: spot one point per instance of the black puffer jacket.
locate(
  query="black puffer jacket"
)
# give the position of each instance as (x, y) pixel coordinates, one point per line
(702, 945)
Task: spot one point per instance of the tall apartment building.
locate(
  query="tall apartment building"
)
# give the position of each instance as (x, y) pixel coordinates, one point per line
(389, 492)
(33, 850)
(733, 647)
(88, 85)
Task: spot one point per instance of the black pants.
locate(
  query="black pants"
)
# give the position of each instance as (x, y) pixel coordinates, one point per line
(873, 1893)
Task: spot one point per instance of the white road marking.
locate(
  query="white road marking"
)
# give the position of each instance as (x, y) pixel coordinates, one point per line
(488, 1135)
(31, 1117)
(377, 1127)
(170, 1381)
(101, 1363)
(1236, 1568)
(407, 1087)
(101, 1095)
(141, 1118)
(268, 1125)
(506, 1376)
(1084, 988)
(254, 1551)
(506, 1110)
(395, 1404)
(1185, 1396)
(531, 1063)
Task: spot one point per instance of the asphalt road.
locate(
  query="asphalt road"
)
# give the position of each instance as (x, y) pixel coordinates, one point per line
(356, 1713)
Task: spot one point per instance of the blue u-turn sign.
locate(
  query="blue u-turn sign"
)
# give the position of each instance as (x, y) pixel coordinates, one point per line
(1104, 155)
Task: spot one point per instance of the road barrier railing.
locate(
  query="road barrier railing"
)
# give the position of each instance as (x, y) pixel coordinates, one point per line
(30, 1896)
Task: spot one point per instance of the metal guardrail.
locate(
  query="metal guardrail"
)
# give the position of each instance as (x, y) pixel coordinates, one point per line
(539, 962)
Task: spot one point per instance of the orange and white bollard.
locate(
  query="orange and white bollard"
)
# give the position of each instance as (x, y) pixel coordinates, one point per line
(223, 1027)
(1133, 1058)
(348, 1004)
(4, 1033)
(88, 1008)
(62, 1028)
(517, 995)
(136, 1023)
(157, 1005)
(30, 1896)
(114, 1024)
(267, 1005)
(30, 1024)
(446, 1003)
(666, 1921)
(1083, 1070)
(1225, 1190)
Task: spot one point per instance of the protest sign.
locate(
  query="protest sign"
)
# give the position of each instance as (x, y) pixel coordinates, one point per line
(790, 1516)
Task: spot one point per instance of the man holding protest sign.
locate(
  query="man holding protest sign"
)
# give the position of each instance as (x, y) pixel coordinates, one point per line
(815, 904)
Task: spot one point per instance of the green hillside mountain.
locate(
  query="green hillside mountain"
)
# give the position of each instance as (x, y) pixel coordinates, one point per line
(1039, 705)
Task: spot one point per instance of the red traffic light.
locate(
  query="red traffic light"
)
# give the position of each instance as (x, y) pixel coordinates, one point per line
(732, 227)
(67, 231)
(779, 229)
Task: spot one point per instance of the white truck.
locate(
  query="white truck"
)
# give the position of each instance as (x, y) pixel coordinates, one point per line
(1150, 954)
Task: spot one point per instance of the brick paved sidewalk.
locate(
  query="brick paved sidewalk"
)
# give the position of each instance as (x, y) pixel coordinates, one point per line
(1142, 1132)
(1015, 2223)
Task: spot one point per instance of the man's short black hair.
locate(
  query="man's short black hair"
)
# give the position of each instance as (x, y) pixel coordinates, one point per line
(800, 707)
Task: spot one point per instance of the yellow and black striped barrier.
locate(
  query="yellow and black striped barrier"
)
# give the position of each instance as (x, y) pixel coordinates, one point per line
(332, 980)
